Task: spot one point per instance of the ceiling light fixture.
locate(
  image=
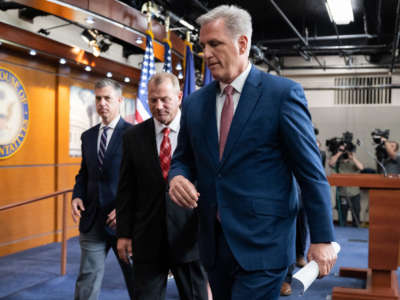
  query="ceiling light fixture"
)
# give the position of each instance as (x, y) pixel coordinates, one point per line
(178, 66)
(89, 20)
(103, 45)
(139, 40)
(63, 61)
(180, 75)
(109, 74)
(89, 36)
(127, 79)
(32, 52)
(88, 68)
(96, 50)
(340, 11)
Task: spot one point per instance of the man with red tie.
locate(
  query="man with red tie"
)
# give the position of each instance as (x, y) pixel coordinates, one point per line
(157, 234)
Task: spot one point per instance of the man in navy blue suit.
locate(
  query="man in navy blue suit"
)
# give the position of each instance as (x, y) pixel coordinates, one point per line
(93, 199)
(245, 140)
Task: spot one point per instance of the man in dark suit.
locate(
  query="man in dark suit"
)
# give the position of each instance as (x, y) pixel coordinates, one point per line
(95, 190)
(245, 138)
(158, 235)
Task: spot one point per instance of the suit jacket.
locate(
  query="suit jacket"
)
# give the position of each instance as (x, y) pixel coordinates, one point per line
(98, 188)
(271, 142)
(144, 212)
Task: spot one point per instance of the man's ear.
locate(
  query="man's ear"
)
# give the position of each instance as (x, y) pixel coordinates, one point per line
(180, 95)
(243, 44)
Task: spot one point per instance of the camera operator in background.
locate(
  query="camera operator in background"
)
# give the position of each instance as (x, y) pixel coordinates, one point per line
(392, 162)
(387, 152)
(344, 161)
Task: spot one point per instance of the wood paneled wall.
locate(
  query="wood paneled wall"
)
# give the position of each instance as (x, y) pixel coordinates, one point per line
(43, 164)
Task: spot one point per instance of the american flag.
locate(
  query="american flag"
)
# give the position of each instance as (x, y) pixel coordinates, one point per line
(167, 56)
(148, 69)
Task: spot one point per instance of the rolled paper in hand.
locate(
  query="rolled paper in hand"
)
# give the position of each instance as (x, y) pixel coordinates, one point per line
(310, 271)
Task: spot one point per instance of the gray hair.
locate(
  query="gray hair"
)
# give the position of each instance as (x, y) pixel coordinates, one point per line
(237, 21)
(109, 82)
(160, 77)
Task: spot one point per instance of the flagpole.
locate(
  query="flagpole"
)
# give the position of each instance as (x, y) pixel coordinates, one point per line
(189, 44)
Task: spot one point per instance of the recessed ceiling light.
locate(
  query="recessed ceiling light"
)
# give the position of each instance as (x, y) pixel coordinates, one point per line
(32, 52)
(178, 66)
(139, 40)
(63, 61)
(89, 20)
(109, 74)
(88, 68)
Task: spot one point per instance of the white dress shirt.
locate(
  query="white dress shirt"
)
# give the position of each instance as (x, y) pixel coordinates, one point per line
(110, 131)
(237, 85)
(173, 133)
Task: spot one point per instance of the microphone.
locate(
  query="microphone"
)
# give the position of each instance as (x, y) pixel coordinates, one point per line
(358, 142)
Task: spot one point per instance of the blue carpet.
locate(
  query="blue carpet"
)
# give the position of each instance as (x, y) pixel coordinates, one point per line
(34, 273)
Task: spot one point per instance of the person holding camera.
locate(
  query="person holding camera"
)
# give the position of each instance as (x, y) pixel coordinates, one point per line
(345, 161)
(392, 162)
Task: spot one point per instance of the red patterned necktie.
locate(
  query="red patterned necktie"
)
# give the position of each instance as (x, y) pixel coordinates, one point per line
(165, 153)
(226, 119)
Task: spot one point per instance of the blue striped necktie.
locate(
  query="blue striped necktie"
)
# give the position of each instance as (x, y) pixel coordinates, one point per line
(103, 146)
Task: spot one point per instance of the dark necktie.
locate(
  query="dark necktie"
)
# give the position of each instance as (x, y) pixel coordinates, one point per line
(165, 153)
(102, 147)
(226, 119)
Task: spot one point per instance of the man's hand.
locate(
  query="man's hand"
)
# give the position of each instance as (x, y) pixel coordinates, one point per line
(112, 220)
(183, 192)
(124, 247)
(76, 208)
(324, 255)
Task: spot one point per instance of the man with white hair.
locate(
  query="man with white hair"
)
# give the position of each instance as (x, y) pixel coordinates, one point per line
(246, 139)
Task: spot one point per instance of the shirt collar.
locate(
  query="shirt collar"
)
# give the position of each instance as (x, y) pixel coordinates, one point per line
(237, 83)
(112, 124)
(174, 125)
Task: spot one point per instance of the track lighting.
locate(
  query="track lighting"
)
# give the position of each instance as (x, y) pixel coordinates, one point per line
(89, 36)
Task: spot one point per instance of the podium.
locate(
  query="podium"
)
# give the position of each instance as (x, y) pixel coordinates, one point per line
(384, 237)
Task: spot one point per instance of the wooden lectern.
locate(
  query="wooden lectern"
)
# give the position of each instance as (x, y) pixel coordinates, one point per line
(384, 237)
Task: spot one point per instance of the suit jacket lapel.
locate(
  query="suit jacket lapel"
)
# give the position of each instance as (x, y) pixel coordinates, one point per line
(92, 144)
(247, 102)
(115, 139)
(149, 140)
(210, 121)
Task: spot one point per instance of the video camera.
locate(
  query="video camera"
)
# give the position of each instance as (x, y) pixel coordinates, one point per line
(380, 150)
(346, 140)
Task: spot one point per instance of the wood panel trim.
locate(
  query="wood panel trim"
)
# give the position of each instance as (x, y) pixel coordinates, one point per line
(40, 165)
(57, 50)
(122, 22)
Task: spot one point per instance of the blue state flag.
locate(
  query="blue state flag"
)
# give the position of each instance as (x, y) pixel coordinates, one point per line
(207, 77)
(190, 79)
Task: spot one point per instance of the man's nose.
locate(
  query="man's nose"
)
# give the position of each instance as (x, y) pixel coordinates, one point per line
(159, 104)
(207, 52)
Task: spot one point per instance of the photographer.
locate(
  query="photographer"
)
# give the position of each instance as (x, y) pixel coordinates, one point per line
(345, 161)
(392, 162)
